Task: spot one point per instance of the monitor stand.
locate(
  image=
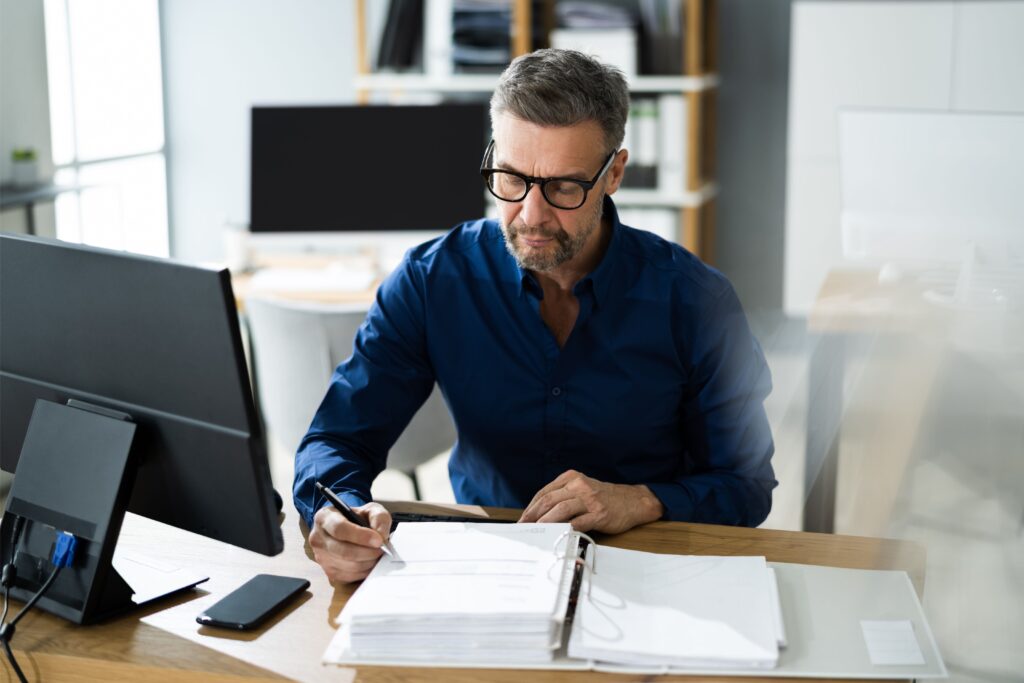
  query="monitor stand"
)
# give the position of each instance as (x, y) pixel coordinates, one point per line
(74, 474)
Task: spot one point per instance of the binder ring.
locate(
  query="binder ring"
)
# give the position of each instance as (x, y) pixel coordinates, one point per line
(563, 543)
(562, 554)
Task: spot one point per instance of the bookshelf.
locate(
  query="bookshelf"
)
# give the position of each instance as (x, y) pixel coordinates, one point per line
(695, 199)
(485, 83)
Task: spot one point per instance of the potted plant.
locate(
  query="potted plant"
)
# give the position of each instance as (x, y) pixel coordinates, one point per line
(24, 169)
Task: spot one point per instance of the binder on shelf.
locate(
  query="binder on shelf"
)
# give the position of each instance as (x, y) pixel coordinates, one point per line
(541, 596)
(642, 143)
(663, 222)
(672, 143)
(401, 42)
(661, 37)
(437, 39)
(615, 46)
(481, 40)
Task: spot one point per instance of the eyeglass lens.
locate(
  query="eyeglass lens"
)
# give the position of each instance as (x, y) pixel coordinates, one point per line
(563, 194)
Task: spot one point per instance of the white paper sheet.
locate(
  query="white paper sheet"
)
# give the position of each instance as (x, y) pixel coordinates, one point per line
(891, 642)
(706, 611)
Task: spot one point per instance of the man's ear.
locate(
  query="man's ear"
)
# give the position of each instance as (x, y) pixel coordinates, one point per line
(616, 171)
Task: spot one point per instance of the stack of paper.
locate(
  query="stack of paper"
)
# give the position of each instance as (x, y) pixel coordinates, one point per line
(702, 612)
(463, 593)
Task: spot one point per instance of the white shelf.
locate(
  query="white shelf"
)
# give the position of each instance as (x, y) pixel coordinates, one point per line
(423, 83)
(485, 83)
(658, 84)
(633, 197)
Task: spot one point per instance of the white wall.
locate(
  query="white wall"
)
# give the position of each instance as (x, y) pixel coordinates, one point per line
(962, 56)
(220, 58)
(24, 101)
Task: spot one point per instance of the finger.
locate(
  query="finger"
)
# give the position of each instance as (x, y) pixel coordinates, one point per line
(559, 482)
(536, 508)
(543, 505)
(565, 511)
(585, 522)
(335, 525)
(348, 573)
(334, 556)
(348, 552)
(379, 518)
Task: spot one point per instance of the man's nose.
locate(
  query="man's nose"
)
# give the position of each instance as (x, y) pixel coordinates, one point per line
(535, 208)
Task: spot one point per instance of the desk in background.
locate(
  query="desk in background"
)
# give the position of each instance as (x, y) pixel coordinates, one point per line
(163, 642)
(307, 286)
(14, 197)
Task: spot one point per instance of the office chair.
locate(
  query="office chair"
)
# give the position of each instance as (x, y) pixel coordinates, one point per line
(295, 348)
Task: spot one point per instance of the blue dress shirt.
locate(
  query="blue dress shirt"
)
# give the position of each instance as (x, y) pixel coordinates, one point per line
(660, 382)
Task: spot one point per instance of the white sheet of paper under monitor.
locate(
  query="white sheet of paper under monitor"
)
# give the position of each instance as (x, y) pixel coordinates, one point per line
(923, 187)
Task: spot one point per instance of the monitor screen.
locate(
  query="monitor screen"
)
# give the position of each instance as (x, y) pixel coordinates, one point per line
(156, 340)
(366, 168)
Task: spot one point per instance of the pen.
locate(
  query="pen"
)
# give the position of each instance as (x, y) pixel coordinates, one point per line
(352, 516)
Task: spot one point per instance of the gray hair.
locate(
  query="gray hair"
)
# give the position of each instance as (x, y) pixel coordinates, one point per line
(562, 88)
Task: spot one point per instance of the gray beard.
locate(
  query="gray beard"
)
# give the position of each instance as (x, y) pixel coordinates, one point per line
(566, 247)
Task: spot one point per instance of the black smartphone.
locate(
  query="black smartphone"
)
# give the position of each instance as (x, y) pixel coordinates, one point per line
(253, 602)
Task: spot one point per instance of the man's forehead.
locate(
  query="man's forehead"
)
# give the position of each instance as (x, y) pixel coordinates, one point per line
(565, 148)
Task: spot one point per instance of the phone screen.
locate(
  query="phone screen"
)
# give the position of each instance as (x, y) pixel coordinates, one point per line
(253, 602)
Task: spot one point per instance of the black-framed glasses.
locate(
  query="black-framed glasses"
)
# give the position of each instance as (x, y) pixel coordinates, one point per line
(561, 193)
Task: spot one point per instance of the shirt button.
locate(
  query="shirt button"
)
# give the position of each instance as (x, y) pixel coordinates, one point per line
(557, 391)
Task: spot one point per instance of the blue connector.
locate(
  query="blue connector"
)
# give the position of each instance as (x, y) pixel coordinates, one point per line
(64, 550)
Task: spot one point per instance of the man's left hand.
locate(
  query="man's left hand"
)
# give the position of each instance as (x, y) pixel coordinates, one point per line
(592, 505)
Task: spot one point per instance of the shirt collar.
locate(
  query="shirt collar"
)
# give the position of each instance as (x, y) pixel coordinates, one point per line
(599, 280)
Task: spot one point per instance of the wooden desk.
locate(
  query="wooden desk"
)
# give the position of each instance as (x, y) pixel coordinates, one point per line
(164, 643)
(241, 282)
(14, 197)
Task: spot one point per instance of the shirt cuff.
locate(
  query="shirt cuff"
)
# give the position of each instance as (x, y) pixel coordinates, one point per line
(353, 499)
(675, 499)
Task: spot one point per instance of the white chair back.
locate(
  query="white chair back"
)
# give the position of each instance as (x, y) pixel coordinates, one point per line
(296, 346)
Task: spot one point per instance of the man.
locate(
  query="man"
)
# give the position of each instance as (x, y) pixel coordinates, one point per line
(596, 374)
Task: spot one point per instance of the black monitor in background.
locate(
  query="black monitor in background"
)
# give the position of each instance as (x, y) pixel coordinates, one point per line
(366, 168)
(123, 385)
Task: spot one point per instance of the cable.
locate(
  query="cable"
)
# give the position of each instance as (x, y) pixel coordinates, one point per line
(13, 661)
(63, 556)
(28, 605)
(10, 572)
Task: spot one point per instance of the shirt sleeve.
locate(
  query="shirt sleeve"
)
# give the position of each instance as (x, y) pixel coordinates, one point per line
(726, 473)
(371, 398)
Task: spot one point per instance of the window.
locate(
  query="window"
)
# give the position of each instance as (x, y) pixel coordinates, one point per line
(106, 120)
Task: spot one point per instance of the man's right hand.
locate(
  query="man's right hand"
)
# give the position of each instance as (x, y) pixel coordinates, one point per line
(346, 551)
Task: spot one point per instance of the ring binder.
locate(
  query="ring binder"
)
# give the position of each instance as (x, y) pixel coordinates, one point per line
(581, 549)
(485, 595)
(572, 533)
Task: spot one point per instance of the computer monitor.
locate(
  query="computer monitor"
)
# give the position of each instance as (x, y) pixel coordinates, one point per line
(123, 385)
(375, 170)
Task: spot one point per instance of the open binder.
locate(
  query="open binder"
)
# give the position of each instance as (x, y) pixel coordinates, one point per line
(541, 596)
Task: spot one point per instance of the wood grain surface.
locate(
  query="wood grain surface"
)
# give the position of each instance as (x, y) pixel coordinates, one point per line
(163, 642)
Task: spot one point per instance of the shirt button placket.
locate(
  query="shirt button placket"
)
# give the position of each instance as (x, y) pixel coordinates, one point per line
(556, 412)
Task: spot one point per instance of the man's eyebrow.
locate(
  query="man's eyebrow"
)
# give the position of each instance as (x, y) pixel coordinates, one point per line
(581, 175)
